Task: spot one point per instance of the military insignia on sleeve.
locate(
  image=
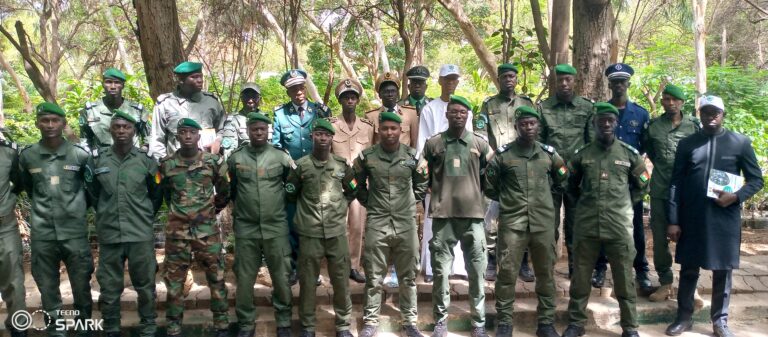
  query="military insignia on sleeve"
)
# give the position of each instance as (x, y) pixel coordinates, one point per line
(409, 162)
(423, 168)
(290, 188)
(158, 177)
(88, 176)
(353, 184)
(480, 122)
(644, 176)
(490, 172)
(562, 171)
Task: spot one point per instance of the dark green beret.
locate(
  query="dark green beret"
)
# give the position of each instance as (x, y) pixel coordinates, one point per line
(526, 111)
(606, 108)
(674, 91)
(48, 108)
(188, 68)
(257, 117)
(120, 114)
(503, 68)
(566, 69)
(293, 77)
(114, 73)
(389, 116)
(461, 100)
(322, 123)
(189, 123)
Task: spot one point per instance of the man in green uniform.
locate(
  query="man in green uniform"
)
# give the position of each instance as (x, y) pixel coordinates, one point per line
(607, 177)
(235, 131)
(417, 88)
(126, 198)
(187, 101)
(389, 188)
(564, 126)
(660, 143)
(322, 185)
(258, 172)
(496, 122)
(453, 160)
(53, 175)
(11, 271)
(196, 188)
(514, 178)
(96, 117)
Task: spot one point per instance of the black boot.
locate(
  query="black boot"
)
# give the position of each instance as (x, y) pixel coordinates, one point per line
(490, 272)
(526, 274)
(598, 278)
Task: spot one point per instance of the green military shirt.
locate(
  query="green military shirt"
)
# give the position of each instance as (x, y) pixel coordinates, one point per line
(125, 194)
(564, 125)
(194, 190)
(389, 187)
(257, 188)
(95, 119)
(322, 191)
(10, 182)
(416, 103)
(496, 119)
(660, 144)
(55, 181)
(520, 180)
(454, 167)
(606, 182)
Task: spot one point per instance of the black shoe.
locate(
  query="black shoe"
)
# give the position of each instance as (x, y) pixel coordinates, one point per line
(573, 331)
(356, 276)
(428, 278)
(632, 333)
(305, 333)
(293, 278)
(643, 282)
(478, 331)
(344, 333)
(526, 274)
(441, 330)
(546, 330)
(721, 330)
(368, 331)
(411, 331)
(490, 272)
(246, 333)
(504, 330)
(284, 332)
(598, 278)
(222, 333)
(678, 327)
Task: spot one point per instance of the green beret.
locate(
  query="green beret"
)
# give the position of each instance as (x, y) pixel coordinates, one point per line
(254, 117)
(503, 68)
(188, 67)
(389, 116)
(606, 108)
(674, 91)
(114, 73)
(189, 123)
(48, 108)
(120, 114)
(565, 69)
(460, 100)
(526, 111)
(322, 123)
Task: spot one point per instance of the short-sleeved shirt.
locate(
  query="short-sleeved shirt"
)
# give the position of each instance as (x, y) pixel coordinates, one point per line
(660, 143)
(203, 107)
(348, 143)
(496, 120)
(565, 125)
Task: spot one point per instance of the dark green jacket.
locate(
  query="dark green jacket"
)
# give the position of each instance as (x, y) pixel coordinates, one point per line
(565, 126)
(10, 183)
(660, 143)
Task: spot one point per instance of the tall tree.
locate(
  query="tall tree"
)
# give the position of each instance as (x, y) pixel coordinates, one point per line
(159, 36)
(700, 37)
(561, 26)
(592, 28)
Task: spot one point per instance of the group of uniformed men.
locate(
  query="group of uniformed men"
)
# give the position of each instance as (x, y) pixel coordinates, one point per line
(307, 186)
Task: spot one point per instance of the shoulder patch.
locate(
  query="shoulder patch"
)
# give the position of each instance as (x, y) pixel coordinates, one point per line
(630, 148)
(582, 148)
(547, 148)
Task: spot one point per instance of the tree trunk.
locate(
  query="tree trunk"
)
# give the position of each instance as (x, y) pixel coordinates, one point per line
(592, 23)
(485, 56)
(541, 34)
(561, 26)
(159, 38)
(121, 50)
(17, 82)
(700, 36)
(724, 48)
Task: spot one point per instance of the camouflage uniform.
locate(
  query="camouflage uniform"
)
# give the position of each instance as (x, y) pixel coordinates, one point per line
(192, 205)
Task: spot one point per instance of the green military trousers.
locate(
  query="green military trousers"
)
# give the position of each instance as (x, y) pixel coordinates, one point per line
(178, 258)
(11, 270)
(509, 250)
(446, 233)
(662, 258)
(142, 267)
(47, 256)
(311, 253)
(620, 254)
(382, 247)
(248, 257)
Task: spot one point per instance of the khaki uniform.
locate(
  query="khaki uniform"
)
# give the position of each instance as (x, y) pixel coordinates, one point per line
(389, 187)
(322, 191)
(203, 107)
(409, 125)
(95, 119)
(11, 255)
(261, 229)
(518, 179)
(457, 208)
(348, 144)
(126, 197)
(605, 182)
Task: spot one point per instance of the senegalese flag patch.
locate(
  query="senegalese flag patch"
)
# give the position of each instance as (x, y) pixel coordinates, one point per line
(562, 171)
(644, 177)
(158, 177)
(353, 184)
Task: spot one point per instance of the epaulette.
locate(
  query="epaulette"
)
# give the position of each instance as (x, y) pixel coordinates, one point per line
(210, 95)
(482, 136)
(374, 110)
(12, 145)
(548, 148)
(238, 149)
(366, 121)
(411, 152)
(25, 148)
(408, 107)
(339, 159)
(95, 153)
(279, 107)
(332, 119)
(366, 152)
(503, 148)
(525, 98)
(163, 97)
(488, 99)
(588, 99)
(137, 106)
(81, 148)
(630, 147)
(582, 148)
(89, 105)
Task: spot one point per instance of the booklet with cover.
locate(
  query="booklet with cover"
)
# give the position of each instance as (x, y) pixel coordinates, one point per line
(723, 181)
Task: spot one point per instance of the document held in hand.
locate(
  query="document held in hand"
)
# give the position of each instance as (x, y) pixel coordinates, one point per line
(723, 181)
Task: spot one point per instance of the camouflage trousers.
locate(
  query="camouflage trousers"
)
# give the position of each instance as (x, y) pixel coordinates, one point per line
(178, 258)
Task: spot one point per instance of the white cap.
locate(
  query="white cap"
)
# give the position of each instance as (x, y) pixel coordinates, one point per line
(449, 69)
(711, 100)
